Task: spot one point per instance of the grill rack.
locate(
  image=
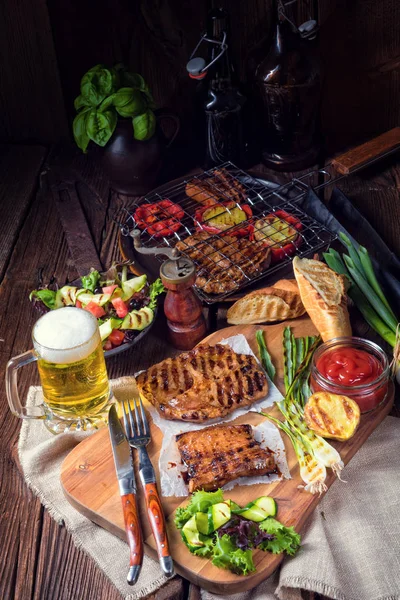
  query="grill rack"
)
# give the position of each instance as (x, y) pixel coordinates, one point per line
(239, 188)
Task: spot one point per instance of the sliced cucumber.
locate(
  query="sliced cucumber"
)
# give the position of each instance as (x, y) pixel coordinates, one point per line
(253, 513)
(233, 506)
(202, 523)
(67, 295)
(99, 299)
(105, 329)
(218, 515)
(131, 286)
(267, 504)
(138, 319)
(260, 509)
(190, 534)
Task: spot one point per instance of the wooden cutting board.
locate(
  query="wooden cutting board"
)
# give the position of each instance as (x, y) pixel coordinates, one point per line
(89, 481)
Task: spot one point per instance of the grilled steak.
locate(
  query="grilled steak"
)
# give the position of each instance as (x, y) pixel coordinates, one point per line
(205, 383)
(224, 263)
(216, 455)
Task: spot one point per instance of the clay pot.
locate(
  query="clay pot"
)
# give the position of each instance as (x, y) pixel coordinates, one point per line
(133, 166)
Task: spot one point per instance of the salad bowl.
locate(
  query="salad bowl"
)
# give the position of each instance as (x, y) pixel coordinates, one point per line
(125, 305)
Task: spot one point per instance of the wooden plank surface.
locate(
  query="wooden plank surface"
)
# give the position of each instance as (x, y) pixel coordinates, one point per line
(17, 190)
(31, 100)
(93, 491)
(37, 557)
(34, 548)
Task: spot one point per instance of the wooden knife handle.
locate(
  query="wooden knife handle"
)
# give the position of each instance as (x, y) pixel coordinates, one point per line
(157, 521)
(374, 149)
(134, 535)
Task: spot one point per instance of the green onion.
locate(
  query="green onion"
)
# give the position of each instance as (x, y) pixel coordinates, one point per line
(352, 252)
(287, 357)
(371, 296)
(335, 262)
(371, 316)
(265, 357)
(371, 277)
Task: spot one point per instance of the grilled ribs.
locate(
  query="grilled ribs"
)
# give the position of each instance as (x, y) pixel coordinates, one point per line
(205, 383)
(216, 455)
(224, 263)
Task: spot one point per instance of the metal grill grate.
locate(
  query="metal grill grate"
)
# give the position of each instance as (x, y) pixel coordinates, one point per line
(229, 261)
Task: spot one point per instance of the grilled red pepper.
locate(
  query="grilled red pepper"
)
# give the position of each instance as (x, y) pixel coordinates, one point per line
(160, 218)
(279, 231)
(221, 217)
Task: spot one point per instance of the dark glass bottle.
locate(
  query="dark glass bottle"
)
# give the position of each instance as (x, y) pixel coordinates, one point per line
(287, 86)
(221, 100)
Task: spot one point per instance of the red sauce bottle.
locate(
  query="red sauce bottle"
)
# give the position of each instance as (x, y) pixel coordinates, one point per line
(183, 309)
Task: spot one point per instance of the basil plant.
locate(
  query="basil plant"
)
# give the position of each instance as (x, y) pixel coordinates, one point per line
(107, 94)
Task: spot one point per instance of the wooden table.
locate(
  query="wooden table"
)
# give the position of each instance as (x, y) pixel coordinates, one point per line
(38, 557)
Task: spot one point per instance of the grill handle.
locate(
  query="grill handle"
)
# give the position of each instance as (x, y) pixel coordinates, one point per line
(367, 153)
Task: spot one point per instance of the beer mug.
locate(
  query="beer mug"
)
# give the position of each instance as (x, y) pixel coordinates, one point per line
(69, 354)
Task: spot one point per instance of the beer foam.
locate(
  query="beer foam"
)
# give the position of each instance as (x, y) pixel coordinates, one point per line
(66, 335)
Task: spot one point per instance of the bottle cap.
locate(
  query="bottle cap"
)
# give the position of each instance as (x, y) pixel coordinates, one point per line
(177, 271)
(195, 67)
(308, 29)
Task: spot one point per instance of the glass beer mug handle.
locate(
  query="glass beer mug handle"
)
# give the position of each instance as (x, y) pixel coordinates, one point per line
(34, 412)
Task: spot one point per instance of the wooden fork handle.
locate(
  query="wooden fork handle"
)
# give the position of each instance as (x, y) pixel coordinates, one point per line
(133, 535)
(158, 525)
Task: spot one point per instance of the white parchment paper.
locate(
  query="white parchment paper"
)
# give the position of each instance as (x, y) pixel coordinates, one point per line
(171, 467)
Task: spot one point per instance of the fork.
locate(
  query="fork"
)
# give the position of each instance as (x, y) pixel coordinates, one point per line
(138, 434)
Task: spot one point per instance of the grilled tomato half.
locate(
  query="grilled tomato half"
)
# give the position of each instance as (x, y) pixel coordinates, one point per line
(280, 231)
(159, 219)
(223, 216)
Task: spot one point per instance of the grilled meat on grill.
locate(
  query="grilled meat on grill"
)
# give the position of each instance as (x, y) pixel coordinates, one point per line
(224, 263)
(216, 455)
(216, 188)
(205, 383)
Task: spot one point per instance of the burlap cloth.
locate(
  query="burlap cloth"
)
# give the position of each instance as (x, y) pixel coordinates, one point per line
(350, 549)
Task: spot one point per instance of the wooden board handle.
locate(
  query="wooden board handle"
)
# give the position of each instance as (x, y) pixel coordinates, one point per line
(133, 535)
(157, 521)
(373, 150)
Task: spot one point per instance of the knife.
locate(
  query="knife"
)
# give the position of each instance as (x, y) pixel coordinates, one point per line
(127, 489)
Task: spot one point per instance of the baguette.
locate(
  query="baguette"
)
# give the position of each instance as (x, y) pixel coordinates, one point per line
(276, 303)
(323, 294)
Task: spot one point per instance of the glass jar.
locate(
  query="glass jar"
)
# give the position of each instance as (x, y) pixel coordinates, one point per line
(352, 367)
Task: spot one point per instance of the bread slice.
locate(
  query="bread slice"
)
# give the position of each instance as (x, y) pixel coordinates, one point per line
(267, 305)
(287, 284)
(323, 294)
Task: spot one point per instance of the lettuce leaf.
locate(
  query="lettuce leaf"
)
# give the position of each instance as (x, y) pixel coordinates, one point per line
(206, 550)
(48, 297)
(156, 289)
(285, 538)
(199, 502)
(227, 556)
(89, 282)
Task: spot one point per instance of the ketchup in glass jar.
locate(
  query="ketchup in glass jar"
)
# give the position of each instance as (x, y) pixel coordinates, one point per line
(353, 367)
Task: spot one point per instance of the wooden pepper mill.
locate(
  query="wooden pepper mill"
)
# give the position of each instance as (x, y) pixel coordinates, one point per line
(185, 319)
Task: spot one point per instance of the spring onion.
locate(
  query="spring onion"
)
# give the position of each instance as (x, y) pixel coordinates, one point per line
(312, 471)
(369, 293)
(352, 252)
(314, 454)
(363, 303)
(265, 355)
(371, 277)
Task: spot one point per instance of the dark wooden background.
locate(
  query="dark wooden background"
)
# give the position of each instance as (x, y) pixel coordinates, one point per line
(47, 45)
